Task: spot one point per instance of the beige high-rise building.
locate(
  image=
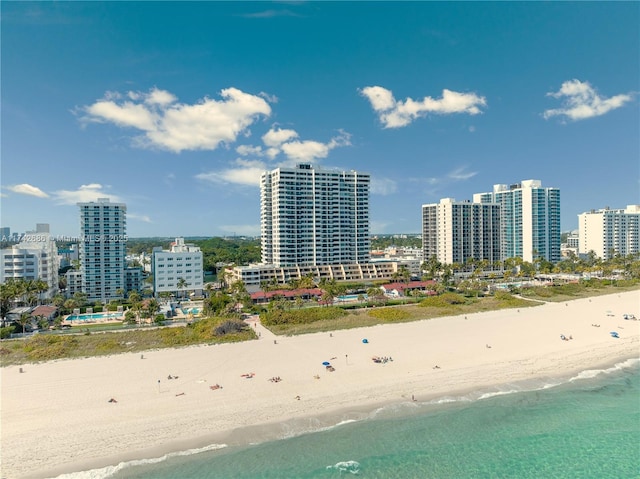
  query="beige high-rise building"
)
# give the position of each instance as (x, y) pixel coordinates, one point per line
(311, 216)
(454, 232)
(608, 232)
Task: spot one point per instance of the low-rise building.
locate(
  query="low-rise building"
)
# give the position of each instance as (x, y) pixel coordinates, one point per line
(35, 257)
(252, 276)
(178, 269)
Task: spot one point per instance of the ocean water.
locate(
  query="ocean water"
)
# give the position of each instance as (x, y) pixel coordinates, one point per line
(587, 426)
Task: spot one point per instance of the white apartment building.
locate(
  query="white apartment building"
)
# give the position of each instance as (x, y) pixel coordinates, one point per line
(178, 269)
(454, 231)
(252, 276)
(608, 232)
(36, 257)
(310, 216)
(530, 219)
(74, 283)
(102, 248)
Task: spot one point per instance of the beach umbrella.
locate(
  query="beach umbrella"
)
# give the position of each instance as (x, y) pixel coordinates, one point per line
(326, 363)
(365, 340)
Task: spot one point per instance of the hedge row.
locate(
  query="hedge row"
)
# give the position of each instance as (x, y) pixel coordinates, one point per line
(300, 316)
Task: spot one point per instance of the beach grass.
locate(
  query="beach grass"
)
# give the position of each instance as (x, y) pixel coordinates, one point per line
(583, 289)
(48, 347)
(429, 308)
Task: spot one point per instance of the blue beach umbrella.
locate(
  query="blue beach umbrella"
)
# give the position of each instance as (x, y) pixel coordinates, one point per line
(326, 363)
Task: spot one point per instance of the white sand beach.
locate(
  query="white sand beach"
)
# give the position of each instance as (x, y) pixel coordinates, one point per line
(56, 417)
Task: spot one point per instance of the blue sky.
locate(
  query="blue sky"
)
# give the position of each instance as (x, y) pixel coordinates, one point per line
(176, 108)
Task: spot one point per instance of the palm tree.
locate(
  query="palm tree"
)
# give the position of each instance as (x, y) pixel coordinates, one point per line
(405, 274)
(136, 304)
(307, 281)
(9, 292)
(70, 304)
(24, 319)
(57, 300)
(152, 307)
(330, 289)
(80, 297)
(182, 285)
(375, 294)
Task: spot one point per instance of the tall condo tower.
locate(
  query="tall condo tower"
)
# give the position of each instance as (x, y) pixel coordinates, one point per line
(310, 216)
(454, 232)
(102, 248)
(530, 224)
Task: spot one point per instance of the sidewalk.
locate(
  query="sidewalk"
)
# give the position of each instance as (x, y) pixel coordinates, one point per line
(261, 331)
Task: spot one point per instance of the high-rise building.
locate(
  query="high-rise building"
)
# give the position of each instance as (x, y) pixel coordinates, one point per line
(530, 219)
(179, 269)
(609, 232)
(310, 216)
(454, 232)
(103, 248)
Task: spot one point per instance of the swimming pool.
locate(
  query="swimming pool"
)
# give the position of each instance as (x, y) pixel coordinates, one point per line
(94, 316)
(350, 297)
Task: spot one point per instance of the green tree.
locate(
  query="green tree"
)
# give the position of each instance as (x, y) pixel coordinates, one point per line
(9, 292)
(23, 321)
(182, 285)
(80, 297)
(152, 307)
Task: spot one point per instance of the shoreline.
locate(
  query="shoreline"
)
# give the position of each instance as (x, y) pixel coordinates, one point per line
(85, 432)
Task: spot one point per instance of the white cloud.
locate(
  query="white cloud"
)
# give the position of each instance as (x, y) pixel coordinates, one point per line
(435, 185)
(159, 97)
(395, 114)
(383, 186)
(245, 172)
(287, 142)
(135, 216)
(174, 126)
(85, 193)
(247, 150)
(277, 136)
(581, 101)
(305, 150)
(460, 174)
(27, 189)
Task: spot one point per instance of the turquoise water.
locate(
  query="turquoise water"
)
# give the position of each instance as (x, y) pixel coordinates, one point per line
(350, 297)
(587, 427)
(93, 316)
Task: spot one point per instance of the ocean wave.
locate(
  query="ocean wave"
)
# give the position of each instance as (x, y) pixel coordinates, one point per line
(498, 393)
(592, 373)
(352, 467)
(105, 472)
(309, 426)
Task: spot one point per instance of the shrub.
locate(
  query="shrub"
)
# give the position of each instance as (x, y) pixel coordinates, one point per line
(300, 316)
(6, 332)
(389, 314)
(445, 300)
(47, 347)
(230, 326)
